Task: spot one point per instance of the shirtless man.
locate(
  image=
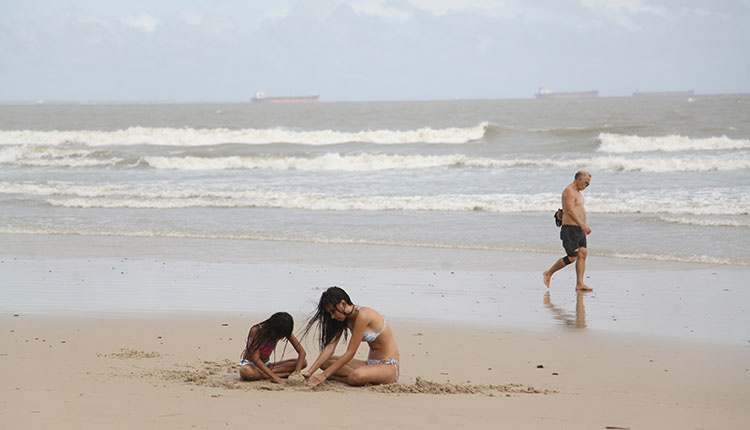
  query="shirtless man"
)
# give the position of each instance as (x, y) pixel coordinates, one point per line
(574, 230)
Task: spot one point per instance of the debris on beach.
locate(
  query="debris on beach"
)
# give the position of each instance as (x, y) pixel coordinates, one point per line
(131, 353)
(425, 386)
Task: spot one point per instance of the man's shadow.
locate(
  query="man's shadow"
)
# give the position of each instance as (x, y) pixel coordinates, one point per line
(568, 319)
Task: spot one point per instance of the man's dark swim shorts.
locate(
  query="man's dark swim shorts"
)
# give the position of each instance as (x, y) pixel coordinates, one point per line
(573, 238)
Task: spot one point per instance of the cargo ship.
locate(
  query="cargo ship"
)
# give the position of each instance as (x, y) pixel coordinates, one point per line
(545, 93)
(261, 98)
(640, 93)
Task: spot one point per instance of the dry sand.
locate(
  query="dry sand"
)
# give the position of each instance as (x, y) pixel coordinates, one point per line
(180, 372)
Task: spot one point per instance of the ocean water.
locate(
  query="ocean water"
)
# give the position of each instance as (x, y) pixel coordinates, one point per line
(671, 176)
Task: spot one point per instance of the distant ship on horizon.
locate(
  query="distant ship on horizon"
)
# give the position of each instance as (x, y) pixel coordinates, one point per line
(546, 93)
(262, 98)
(640, 93)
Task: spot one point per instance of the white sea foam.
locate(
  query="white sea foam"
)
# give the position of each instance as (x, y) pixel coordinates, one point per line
(329, 161)
(497, 204)
(313, 201)
(64, 157)
(676, 203)
(672, 202)
(706, 222)
(46, 156)
(375, 162)
(680, 258)
(156, 197)
(201, 137)
(664, 164)
(626, 144)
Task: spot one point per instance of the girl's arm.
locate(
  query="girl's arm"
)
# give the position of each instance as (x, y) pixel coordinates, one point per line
(325, 354)
(260, 365)
(300, 353)
(360, 323)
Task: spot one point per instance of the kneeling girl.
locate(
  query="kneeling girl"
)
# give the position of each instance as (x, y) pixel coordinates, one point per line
(261, 342)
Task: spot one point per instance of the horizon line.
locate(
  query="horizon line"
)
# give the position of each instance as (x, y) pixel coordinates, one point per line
(42, 102)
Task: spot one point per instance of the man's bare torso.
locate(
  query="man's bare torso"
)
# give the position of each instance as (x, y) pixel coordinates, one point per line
(573, 206)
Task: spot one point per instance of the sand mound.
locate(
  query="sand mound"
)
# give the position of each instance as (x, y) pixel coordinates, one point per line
(295, 379)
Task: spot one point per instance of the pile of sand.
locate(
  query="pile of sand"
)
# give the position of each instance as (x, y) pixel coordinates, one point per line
(295, 379)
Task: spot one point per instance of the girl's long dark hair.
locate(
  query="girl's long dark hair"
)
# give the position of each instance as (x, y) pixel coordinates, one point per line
(328, 328)
(278, 326)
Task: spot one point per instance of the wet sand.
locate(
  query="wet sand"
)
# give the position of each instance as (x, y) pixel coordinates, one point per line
(129, 333)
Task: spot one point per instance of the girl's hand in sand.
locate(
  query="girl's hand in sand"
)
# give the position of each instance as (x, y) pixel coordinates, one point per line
(316, 379)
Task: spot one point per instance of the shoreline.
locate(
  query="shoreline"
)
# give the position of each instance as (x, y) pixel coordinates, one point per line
(210, 250)
(127, 276)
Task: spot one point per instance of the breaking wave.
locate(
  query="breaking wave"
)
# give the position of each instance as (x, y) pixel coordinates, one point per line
(374, 162)
(626, 144)
(216, 136)
(46, 156)
(155, 197)
(62, 157)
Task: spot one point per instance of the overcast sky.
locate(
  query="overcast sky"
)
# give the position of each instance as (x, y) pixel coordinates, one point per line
(225, 50)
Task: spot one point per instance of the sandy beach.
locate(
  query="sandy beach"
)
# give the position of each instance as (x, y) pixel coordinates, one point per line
(180, 372)
(483, 343)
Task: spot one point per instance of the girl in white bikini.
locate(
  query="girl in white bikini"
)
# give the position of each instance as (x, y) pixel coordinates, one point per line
(336, 316)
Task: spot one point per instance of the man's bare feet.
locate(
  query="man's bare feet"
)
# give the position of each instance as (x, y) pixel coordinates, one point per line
(547, 277)
(583, 287)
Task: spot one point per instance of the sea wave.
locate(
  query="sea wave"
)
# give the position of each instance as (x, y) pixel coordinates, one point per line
(626, 144)
(310, 201)
(143, 196)
(325, 162)
(711, 201)
(375, 162)
(46, 156)
(168, 136)
(61, 157)
(320, 202)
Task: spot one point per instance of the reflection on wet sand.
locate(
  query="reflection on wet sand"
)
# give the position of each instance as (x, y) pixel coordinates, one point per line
(569, 319)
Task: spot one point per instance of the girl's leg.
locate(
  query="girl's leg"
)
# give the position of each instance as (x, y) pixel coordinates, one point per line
(374, 374)
(250, 373)
(284, 368)
(281, 368)
(358, 372)
(343, 373)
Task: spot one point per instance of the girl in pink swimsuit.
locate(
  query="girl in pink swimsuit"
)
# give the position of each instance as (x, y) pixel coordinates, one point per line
(261, 343)
(336, 316)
